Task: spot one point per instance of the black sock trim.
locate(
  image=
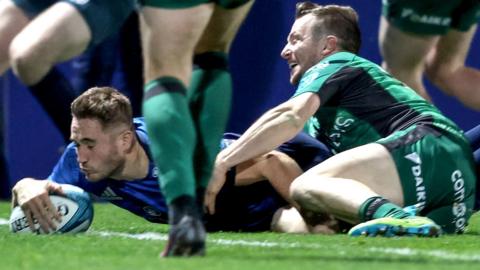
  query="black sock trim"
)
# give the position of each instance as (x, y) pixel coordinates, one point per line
(164, 85)
(211, 60)
(373, 207)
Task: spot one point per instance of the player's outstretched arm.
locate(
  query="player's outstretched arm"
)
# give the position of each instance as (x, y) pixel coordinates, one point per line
(275, 127)
(32, 196)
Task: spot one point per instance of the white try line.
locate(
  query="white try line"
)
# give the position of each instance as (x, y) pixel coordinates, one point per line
(406, 252)
(227, 242)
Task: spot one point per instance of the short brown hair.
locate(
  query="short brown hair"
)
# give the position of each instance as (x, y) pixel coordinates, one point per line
(107, 105)
(340, 21)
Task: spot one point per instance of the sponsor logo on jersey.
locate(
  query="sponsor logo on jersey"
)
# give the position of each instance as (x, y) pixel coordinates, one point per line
(109, 195)
(155, 172)
(459, 209)
(339, 128)
(425, 18)
(416, 169)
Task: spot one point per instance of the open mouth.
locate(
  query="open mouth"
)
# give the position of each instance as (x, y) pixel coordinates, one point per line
(292, 65)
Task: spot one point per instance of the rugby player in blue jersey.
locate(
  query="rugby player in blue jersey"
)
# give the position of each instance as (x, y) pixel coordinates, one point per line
(109, 157)
(473, 136)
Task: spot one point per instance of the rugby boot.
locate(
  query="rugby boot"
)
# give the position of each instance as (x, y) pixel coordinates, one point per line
(389, 227)
(186, 238)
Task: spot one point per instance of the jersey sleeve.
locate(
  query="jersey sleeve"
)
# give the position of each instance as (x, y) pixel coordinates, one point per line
(67, 171)
(324, 77)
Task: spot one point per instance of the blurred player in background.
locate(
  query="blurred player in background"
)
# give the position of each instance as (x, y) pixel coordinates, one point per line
(425, 37)
(37, 34)
(116, 61)
(186, 113)
(4, 175)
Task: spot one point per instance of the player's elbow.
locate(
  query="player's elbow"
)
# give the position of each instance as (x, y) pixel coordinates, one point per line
(293, 119)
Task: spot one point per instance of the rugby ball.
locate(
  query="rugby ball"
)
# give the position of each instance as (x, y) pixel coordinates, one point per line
(75, 208)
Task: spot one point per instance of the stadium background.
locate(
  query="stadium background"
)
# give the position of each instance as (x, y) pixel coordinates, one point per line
(32, 144)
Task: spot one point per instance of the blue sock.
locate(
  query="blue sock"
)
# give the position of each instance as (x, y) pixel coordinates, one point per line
(473, 136)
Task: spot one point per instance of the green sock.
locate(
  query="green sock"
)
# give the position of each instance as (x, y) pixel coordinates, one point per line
(378, 207)
(211, 91)
(172, 136)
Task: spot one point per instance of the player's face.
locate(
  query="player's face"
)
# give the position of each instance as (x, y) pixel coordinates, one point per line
(303, 50)
(98, 151)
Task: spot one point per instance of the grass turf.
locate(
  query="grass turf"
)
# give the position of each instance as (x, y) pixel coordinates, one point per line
(120, 240)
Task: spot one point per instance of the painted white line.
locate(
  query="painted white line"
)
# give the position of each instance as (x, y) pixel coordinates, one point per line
(406, 252)
(138, 236)
(440, 254)
(3, 221)
(227, 242)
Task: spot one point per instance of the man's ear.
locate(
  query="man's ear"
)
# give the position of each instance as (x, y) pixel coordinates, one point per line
(127, 140)
(331, 45)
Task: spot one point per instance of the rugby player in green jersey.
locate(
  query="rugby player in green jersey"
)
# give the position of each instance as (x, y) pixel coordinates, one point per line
(420, 38)
(393, 148)
(186, 112)
(35, 35)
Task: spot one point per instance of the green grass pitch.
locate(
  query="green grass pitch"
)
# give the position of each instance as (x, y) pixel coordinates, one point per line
(119, 240)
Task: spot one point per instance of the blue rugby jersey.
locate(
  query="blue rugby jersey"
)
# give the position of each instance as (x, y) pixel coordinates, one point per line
(251, 208)
(473, 137)
(245, 208)
(141, 197)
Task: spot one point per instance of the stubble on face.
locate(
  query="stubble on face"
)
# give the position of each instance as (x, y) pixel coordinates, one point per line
(305, 48)
(99, 158)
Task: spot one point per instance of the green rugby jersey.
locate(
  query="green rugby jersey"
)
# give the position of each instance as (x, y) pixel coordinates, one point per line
(361, 103)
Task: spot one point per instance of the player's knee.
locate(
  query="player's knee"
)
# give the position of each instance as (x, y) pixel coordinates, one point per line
(22, 61)
(300, 191)
(439, 74)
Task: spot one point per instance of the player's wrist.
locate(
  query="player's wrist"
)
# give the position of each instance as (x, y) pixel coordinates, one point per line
(221, 162)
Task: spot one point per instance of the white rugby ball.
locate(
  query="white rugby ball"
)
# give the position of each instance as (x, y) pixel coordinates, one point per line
(75, 208)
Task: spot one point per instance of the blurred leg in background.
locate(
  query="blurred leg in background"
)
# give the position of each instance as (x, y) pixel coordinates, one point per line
(117, 61)
(4, 180)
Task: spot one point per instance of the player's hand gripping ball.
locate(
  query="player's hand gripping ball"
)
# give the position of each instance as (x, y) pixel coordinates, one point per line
(75, 208)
